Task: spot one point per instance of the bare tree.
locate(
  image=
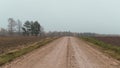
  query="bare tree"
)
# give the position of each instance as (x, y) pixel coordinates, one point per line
(19, 26)
(11, 25)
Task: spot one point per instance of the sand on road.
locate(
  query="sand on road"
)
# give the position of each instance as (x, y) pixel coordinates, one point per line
(66, 52)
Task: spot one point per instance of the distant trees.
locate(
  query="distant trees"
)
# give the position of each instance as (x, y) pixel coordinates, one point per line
(14, 26)
(31, 28)
(11, 25)
(28, 28)
(36, 28)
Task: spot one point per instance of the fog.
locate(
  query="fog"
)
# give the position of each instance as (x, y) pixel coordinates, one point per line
(99, 16)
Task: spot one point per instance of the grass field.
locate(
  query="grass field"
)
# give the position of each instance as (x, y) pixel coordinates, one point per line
(110, 40)
(11, 43)
(109, 45)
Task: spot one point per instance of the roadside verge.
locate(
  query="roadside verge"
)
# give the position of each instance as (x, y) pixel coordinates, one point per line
(10, 56)
(108, 49)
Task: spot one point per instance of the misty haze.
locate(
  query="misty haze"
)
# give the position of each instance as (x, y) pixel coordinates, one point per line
(59, 34)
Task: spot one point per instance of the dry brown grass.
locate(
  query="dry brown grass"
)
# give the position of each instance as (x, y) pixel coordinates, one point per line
(11, 43)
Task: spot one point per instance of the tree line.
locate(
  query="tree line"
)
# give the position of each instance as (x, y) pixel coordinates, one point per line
(32, 28)
(28, 28)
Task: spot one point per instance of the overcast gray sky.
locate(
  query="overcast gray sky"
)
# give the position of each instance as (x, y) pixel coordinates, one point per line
(99, 16)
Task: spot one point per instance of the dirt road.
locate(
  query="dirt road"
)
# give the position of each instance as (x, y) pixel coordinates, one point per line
(66, 52)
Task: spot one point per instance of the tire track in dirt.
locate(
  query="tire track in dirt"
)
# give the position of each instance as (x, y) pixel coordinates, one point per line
(71, 56)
